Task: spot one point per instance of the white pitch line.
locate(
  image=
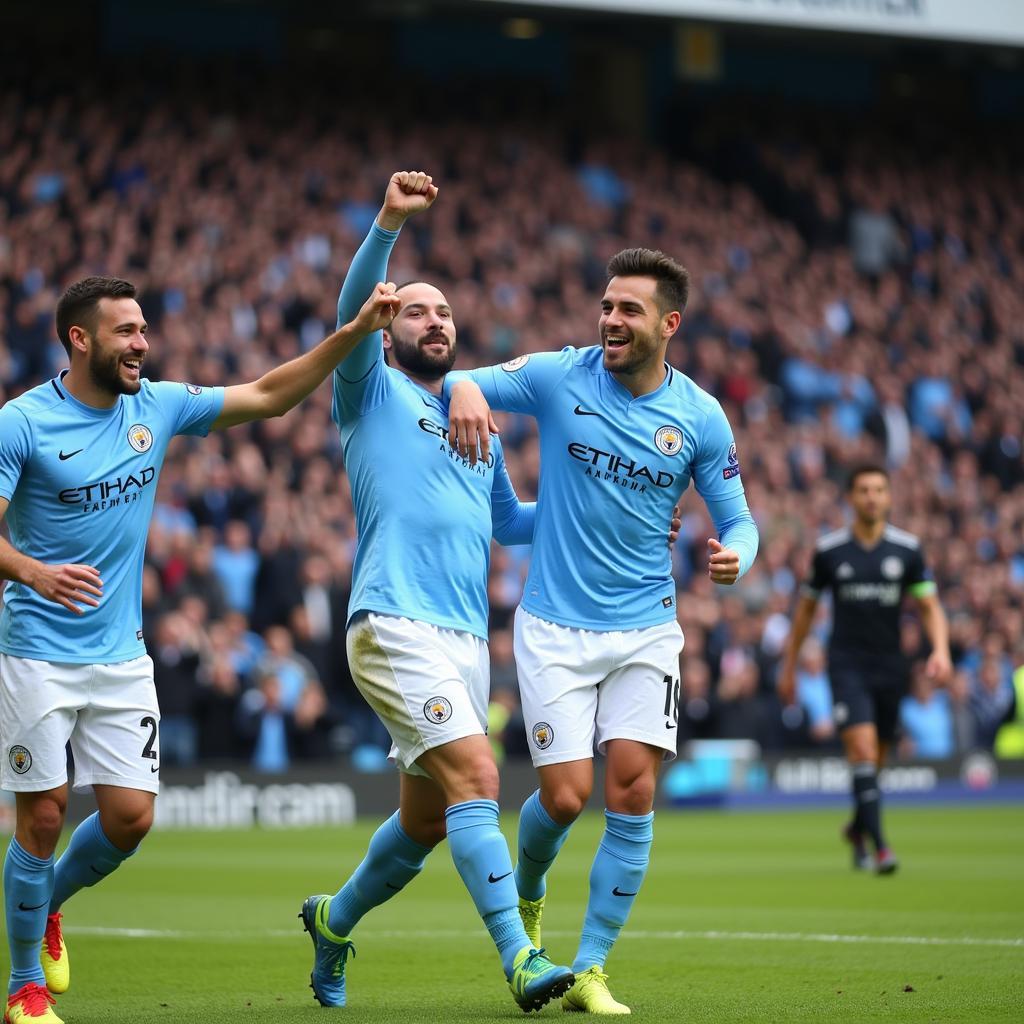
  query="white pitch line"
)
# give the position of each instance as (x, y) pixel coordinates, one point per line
(821, 937)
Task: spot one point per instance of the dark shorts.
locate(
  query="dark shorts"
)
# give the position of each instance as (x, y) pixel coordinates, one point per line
(868, 690)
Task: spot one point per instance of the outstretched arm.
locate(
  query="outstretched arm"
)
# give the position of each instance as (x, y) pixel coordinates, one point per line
(285, 386)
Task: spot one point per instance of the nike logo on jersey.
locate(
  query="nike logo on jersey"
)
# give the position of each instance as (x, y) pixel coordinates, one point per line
(492, 879)
(580, 411)
(154, 768)
(38, 906)
(64, 456)
(615, 892)
(668, 725)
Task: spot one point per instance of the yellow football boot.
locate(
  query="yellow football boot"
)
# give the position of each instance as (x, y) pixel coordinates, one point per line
(530, 912)
(54, 956)
(31, 1004)
(590, 995)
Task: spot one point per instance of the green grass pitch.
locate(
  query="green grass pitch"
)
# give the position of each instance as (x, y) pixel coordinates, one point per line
(744, 917)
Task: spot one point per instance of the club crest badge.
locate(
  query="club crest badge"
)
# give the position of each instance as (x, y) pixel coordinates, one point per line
(543, 734)
(140, 437)
(511, 365)
(21, 759)
(669, 440)
(437, 709)
(892, 567)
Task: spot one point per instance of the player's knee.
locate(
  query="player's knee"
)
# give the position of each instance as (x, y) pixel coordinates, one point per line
(43, 822)
(429, 833)
(633, 797)
(862, 751)
(128, 826)
(138, 826)
(565, 803)
(480, 778)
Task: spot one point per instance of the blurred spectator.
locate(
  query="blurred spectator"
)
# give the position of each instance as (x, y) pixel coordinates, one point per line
(175, 651)
(992, 701)
(236, 563)
(813, 691)
(927, 719)
(263, 720)
(292, 672)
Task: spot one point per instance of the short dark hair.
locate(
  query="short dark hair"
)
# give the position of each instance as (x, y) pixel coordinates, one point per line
(77, 306)
(673, 288)
(863, 469)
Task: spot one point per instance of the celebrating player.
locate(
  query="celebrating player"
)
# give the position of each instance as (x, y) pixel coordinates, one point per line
(597, 643)
(417, 634)
(80, 457)
(868, 566)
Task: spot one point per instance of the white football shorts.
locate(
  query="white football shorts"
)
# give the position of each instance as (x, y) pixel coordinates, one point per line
(428, 685)
(108, 712)
(581, 685)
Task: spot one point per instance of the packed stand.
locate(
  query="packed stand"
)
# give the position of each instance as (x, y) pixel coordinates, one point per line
(854, 299)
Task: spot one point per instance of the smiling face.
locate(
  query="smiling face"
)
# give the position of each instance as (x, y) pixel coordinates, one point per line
(422, 335)
(116, 347)
(633, 330)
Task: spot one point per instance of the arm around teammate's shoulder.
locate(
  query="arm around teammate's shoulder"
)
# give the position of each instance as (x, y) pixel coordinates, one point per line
(512, 520)
(523, 385)
(285, 386)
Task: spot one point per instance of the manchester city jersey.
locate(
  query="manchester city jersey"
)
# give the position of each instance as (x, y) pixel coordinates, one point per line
(424, 515)
(612, 468)
(81, 484)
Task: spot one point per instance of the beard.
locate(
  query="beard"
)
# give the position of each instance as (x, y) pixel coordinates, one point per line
(641, 351)
(427, 365)
(105, 373)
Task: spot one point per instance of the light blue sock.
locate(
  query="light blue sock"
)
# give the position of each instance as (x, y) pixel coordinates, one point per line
(392, 861)
(89, 858)
(615, 879)
(28, 882)
(482, 860)
(540, 839)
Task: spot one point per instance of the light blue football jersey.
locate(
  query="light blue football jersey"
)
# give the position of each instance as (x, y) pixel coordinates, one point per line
(424, 515)
(81, 484)
(612, 468)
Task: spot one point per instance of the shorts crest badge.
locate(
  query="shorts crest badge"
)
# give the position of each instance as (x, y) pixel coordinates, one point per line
(669, 440)
(21, 759)
(543, 734)
(140, 437)
(437, 709)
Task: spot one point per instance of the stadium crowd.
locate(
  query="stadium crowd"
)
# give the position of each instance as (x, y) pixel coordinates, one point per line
(857, 295)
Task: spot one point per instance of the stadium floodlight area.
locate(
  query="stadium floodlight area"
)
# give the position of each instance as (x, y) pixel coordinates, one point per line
(999, 22)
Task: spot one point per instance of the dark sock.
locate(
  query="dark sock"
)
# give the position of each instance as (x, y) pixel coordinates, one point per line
(868, 802)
